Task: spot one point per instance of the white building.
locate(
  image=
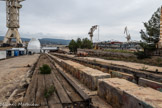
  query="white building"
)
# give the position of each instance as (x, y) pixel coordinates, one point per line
(3, 55)
(34, 46)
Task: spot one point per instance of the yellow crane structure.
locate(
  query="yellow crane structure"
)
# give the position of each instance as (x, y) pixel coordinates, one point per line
(12, 22)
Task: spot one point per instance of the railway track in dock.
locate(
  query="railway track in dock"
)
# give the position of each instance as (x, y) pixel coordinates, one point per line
(66, 93)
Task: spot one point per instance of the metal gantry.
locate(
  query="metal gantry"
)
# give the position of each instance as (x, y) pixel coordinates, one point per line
(12, 22)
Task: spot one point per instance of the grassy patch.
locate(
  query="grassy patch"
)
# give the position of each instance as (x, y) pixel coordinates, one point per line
(118, 50)
(45, 69)
(94, 60)
(49, 92)
(159, 60)
(154, 61)
(144, 68)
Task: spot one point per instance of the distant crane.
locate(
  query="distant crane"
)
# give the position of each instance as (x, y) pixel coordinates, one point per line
(128, 37)
(12, 18)
(93, 28)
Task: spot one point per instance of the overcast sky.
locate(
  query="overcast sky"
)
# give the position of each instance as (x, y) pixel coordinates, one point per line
(67, 19)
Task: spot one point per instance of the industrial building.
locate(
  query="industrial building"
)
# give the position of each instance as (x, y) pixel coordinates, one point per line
(13, 52)
(3, 54)
(16, 52)
(134, 45)
(33, 47)
(49, 49)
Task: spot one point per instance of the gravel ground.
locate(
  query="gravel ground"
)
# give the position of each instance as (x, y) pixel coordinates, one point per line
(12, 72)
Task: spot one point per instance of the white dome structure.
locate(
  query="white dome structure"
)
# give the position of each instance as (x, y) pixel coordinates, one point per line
(34, 46)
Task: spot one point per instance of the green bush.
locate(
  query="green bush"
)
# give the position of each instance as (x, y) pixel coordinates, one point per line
(45, 69)
(141, 55)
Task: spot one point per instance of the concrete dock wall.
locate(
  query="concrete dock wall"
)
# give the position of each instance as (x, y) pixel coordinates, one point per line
(86, 75)
(130, 74)
(121, 93)
(56, 59)
(142, 98)
(148, 83)
(116, 74)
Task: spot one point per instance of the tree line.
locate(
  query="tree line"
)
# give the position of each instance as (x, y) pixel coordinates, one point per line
(84, 43)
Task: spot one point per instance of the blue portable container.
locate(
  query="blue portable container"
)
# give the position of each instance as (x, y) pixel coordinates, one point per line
(16, 53)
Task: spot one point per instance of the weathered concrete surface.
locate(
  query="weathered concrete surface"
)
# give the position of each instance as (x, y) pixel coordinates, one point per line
(116, 74)
(148, 83)
(91, 76)
(113, 93)
(12, 72)
(142, 98)
(132, 65)
(112, 90)
(96, 100)
(73, 68)
(85, 74)
(57, 60)
(108, 67)
(120, 63)
(121, 93)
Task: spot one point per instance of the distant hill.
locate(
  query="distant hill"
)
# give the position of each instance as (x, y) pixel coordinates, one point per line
(54, 41)
(46, 40)
(1, 38)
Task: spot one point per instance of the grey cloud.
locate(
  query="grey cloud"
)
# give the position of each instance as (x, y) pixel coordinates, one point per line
(73, 18)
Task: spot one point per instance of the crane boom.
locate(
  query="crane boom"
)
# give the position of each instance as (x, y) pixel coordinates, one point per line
(128, 37)
(93, 28)
(126, 31)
